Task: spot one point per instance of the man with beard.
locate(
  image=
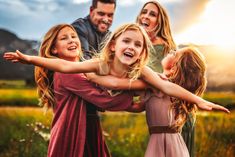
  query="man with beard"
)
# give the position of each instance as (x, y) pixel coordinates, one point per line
(93, 28)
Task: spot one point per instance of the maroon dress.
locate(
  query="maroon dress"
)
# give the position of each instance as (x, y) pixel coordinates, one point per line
(68, 132)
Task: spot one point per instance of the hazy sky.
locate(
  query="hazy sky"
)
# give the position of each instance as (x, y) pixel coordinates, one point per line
(192, 21)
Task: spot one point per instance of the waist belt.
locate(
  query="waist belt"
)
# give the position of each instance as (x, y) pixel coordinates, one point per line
(162, 129)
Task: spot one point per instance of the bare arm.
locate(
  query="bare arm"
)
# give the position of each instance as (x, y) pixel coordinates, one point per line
(116, 83)
(176, 91)
(59, 65)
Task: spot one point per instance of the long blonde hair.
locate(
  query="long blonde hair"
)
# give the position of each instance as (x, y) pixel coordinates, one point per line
(190, 73)
(107, 55)
(162, 29)
(43, 76)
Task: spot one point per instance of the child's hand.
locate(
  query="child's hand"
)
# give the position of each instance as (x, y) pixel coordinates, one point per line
(90, 76)
(17, 56)
(206, 105)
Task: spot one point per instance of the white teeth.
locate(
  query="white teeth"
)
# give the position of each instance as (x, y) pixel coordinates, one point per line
(72, 47)
(145, 24)
(128, 54)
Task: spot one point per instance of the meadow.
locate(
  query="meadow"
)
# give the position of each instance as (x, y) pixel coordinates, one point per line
(24, 127)
(25, 133)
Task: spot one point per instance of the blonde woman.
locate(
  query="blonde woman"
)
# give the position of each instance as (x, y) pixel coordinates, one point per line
(154, 19)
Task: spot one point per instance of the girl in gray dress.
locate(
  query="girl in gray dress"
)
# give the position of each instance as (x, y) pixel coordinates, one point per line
(154, 19)
(166, 115)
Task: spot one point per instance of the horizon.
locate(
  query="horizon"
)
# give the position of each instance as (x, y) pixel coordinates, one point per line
(197, 22)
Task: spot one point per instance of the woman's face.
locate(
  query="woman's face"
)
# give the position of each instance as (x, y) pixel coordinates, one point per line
(67, 45)
(128, 47)
(149, 17)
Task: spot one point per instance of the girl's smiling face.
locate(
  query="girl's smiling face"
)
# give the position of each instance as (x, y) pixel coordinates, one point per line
(67, 45)
(128, 47)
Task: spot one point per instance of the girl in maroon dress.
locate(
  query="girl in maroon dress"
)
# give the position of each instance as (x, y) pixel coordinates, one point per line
(75, 129)
(124, 55)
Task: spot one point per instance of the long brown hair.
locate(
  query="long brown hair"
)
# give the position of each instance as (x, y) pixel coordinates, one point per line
(162, 29)
(43, 76)
(190, 73)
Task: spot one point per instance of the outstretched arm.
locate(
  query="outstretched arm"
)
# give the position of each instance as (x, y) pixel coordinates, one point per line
(176, 91)
(54, 64)
(116, 83)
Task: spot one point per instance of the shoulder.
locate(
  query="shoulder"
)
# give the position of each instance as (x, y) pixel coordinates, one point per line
(104, 68)
(81, 25)
(159, 41)
(68, 77)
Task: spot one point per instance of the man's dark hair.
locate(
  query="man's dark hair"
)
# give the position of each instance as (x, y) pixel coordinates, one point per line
(94, 2)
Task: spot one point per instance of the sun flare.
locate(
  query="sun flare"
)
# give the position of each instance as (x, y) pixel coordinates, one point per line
(215, 27)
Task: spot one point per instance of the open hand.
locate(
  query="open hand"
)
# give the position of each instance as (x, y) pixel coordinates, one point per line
(206, 105)
(17, 56)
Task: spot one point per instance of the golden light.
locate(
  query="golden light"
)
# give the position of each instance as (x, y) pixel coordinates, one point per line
(215, 27)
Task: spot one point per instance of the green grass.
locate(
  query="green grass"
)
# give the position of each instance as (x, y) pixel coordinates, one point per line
(21, 130)
(215, 134)
(224, 98)
(18, 97)
(12, 83)
(26, 131)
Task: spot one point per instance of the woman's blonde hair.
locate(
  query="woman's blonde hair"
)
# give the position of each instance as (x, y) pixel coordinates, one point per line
(162, 29)
(43, 76)
(107, 55)
(190, 73)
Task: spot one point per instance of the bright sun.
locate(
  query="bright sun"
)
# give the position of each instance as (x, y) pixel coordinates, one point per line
(216, 27)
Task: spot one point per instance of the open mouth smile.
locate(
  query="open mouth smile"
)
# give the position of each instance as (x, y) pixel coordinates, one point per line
(72, 48)
(128, 54)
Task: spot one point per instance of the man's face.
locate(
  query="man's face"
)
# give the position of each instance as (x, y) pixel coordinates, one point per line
(102, 16)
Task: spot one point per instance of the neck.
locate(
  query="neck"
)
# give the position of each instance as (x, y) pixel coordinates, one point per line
(151, 35)
(118, 69)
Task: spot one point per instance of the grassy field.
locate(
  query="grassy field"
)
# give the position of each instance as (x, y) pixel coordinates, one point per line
(18, 97)
(28, 97)
(26, 133)
(24, 130)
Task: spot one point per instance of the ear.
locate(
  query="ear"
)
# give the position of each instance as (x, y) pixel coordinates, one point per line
(172, 69)
(91, 9)
(54, 51)
(112, 46)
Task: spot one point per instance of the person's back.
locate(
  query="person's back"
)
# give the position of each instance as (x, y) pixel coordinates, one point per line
(163, 141)
(166, 115)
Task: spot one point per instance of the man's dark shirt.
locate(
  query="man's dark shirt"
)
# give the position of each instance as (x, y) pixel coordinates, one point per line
(91, 39)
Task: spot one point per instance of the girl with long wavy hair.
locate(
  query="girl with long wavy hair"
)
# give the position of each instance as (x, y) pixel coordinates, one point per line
(166, 115)
(75, 128)
(124, 55)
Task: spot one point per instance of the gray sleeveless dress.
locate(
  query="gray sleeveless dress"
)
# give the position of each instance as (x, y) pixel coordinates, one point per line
(159, 113)
(188, 132)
